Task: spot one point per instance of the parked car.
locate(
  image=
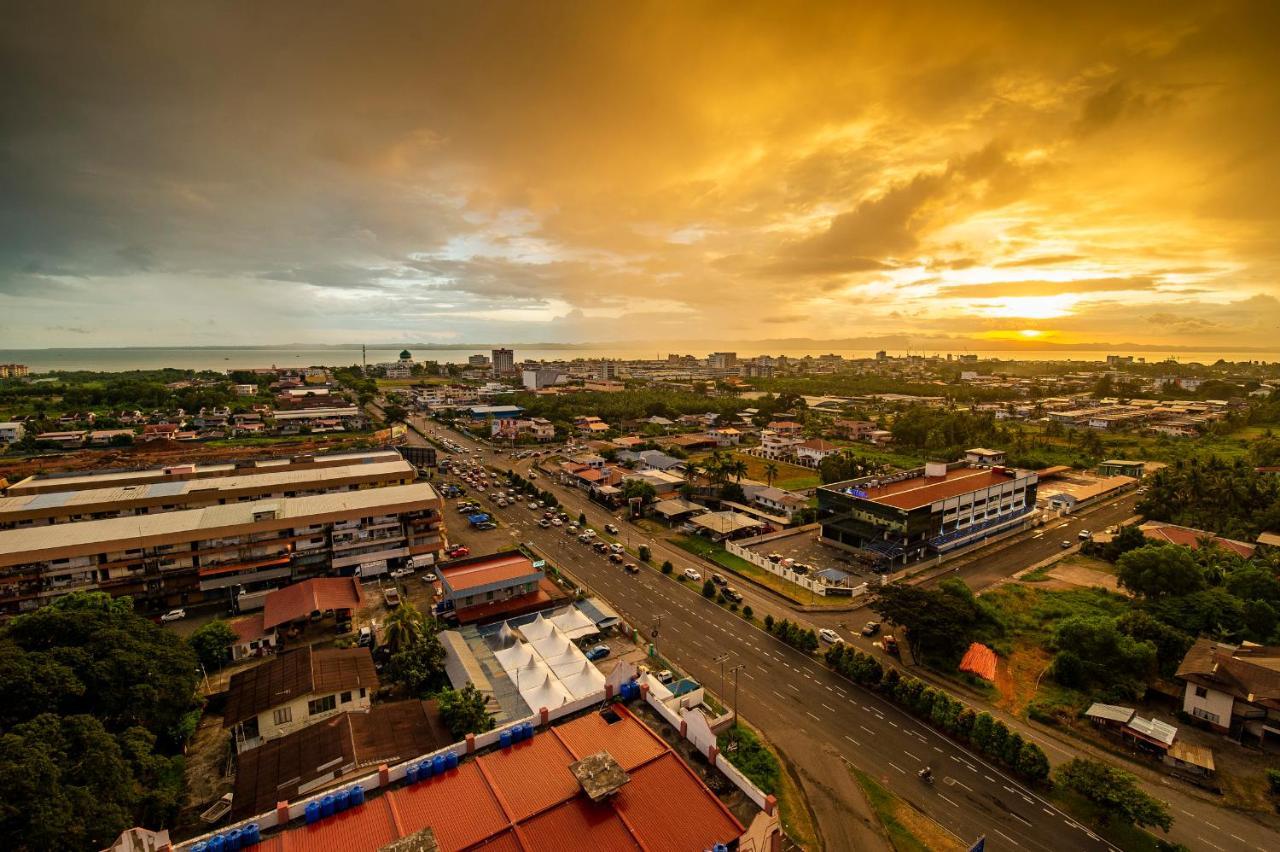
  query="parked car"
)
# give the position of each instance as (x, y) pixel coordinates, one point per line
(690, 574)
(871, 628)
(544, 523)
(611, 529)
(429, 578)
(665, 676)
(173, 615)
(775, 557)
(829, 636)
(365, 639)
(401, 572)
(556, 522)
(458, 551)
(1085, 535)
(391, 597)
(486, 526)
(599, 652)
(1066, 543)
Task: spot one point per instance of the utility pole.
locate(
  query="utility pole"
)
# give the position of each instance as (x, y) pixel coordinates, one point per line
(734, 730)
(721, 659)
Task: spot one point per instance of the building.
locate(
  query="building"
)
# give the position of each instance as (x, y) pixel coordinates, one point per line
(599, 781)
(66, 440)
(542, 377)
(983, 456)
(180, 557)
(480, 361)
(41, 483)
(299, 602)
(89, 503)
(497, 412)
(603, 386)
(1123, 467)
(775, 500)
(297, 689)
(723, 360)
(1162, 533)
(1233, 688)
(725, 435)
(813, 451)
(252, 638)
(336, 418)
(13, 371)
(11, 432)
(504, 362)
(246, 390)
(332, 751)
(605, 370)
(928, 511)
(488, 587)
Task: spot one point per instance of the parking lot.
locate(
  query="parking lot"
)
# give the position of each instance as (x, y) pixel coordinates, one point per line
(804, 548)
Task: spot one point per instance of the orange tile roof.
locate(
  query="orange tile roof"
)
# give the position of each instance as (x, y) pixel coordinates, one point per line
(518, 800)
(482, 571)
(1189, 537)
(301, 599)
(923, 490)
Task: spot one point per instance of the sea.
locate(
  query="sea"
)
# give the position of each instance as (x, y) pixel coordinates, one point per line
(120, 359)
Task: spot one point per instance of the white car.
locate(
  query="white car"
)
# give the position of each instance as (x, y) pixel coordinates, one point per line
(401, 572)
(829, 636)
(173, 615)
(690, 574)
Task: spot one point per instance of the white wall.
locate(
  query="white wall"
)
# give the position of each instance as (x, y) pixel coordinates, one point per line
(1215, 707)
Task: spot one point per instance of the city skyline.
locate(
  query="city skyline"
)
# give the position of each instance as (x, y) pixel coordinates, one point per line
(977, 173)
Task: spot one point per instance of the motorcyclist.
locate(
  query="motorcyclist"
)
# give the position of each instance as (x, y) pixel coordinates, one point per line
(926, 774)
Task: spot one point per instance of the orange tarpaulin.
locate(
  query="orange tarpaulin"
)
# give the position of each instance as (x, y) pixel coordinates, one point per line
(979, 660)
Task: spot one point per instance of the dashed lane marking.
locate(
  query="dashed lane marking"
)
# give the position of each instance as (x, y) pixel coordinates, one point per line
(852, 740)
(948, 801)
(897, 767)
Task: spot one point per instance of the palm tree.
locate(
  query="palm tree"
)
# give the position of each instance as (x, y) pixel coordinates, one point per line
(404, 627)
(770, 472)
(737, 467)
(691, 471)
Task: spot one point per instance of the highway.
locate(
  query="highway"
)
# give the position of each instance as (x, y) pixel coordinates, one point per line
(818, 719)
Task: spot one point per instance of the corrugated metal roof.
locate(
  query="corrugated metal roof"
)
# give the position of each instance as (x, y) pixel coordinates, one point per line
(1110, 712)
(293, 675)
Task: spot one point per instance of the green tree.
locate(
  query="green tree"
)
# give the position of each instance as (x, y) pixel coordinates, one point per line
(1115, 792)
(67, 785)
(418, 667)
(770, 472)
(463, 711)
(638, 488)
(405, 626)
(708, 589)
(1160, 570)
(667, 567)
(212, 643)
(1032, 762)
(940, 623)
(582, 519)
(644, 552)
(1100, 654)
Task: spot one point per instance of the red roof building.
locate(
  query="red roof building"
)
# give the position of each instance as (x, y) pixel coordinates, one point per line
(1163, 533)
(526, 799)
(298, 601)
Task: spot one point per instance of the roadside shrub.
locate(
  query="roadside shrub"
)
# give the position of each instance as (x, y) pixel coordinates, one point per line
(1273, 780)
(667, 567)
(768, 623)
(708, 589)
(747, 612)
(645, 554)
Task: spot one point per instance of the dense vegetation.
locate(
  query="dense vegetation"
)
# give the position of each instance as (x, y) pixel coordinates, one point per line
(1228, 498)
(98, 703)
(628, 405)
(106, 392)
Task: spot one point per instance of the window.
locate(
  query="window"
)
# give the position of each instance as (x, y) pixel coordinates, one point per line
(346, 697)
(1201, 692)
(362, 692)
(322, 705)
(282, 716)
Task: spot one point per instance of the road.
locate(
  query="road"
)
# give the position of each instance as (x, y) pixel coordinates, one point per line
(822, 721)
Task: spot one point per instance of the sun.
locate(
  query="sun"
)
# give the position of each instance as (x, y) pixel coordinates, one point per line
(1030, 332)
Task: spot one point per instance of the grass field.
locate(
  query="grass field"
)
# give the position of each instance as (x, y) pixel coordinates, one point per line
(717, 554)
(909, 830)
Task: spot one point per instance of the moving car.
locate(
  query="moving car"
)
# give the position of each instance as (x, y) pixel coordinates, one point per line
(599, 652)
(719, 580)
(1066, 543)
(631, 568)
(615, 557)
(1085, 535)
(611, 529)
(732, 594)
(871, 628)
(173, 615)
(690, 574)
(828, 635)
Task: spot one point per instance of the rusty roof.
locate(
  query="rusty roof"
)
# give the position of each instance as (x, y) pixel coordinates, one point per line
(295, 674)
(332, 749)
(483, 570)
(920, 491)
(299, 600)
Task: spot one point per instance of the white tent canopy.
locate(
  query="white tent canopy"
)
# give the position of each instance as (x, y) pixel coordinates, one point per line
(547, 669)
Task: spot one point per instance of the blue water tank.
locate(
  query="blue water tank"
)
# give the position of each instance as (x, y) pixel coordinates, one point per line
(216, 843)
(450, 760)
(250, 834)
(233, 840)
(437, 764)
(426, 770)
(529, 730)
(313, 812)
(504, 739)
(719, 847)
(200, 847)
(357, 795)
(341, 800)
(411, 774)
(326, 806)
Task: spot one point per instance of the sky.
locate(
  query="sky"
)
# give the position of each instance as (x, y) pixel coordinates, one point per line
(268, 173)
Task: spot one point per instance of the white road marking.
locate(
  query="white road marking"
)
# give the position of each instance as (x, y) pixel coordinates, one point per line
(1019, 817)
(897, 767)
(948, 801)
(1210, 843)
(852, 740)
(910, 755)
(1006, 837)
(811, 716)
(777, 693)
(868, 730)
(829, 707)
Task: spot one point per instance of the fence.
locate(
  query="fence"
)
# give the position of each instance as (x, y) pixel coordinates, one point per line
(741, 549)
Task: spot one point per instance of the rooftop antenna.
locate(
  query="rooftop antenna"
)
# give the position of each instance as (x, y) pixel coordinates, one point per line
(364, 360)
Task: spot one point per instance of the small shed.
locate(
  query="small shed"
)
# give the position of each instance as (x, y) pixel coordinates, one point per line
(1109, 715)
(1192, 759)
(1150, 734)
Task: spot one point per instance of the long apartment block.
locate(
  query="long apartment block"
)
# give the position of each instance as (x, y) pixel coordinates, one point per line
(181, 557)
(90, 503)
(41, 483)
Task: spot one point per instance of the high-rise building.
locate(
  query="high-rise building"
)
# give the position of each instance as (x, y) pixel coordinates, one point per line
(478, 361)
(722, 360)
(504, 362)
